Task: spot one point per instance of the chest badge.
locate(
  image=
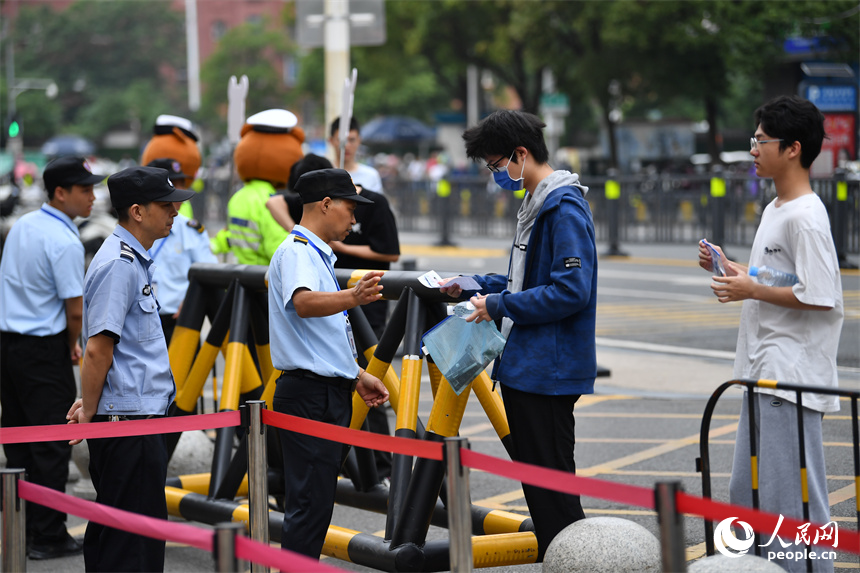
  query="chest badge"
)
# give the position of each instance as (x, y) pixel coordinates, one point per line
(147, 290)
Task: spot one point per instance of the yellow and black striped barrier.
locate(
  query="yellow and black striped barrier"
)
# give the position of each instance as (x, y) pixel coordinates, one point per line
(234, 299)
(703, 464)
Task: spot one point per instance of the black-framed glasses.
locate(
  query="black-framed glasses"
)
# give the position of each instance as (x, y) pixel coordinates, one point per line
(494, 166)
(754, 142)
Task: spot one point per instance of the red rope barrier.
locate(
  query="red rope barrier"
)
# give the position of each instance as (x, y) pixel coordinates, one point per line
(405, 446)
(761, 521)
(117, 518)
(534, 475)
(28, 434)
(279, 559)
(247, 549)
(558, 480)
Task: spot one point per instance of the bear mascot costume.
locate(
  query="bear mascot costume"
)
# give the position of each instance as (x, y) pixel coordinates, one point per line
(174, 139)
(271, 143)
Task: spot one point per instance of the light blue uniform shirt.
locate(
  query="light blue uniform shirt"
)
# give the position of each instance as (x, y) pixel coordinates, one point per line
(42, 266)
(186, 244)
(119, 302)
(318, 344)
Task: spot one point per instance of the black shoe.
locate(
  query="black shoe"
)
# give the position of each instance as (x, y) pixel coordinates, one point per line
(65, 548)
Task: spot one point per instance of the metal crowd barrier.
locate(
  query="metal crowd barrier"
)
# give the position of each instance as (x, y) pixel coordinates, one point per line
(724, 206)
(660, 208)
(703, 463)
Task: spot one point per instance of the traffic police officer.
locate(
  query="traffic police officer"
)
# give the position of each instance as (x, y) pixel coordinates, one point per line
(188, 243)
(41, 283)
(312, 344)
(126, 373)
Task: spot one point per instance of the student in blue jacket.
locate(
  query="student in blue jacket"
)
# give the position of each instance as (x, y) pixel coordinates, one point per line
(546, 303)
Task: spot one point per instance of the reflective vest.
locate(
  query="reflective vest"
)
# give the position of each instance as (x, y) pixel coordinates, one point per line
(253, 235)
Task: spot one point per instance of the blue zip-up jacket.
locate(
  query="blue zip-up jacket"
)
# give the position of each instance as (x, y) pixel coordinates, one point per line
(551, 349)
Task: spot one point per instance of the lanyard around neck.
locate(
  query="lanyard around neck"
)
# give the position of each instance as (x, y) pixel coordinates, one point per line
(322, 256)
(158, 250)
(58, 218)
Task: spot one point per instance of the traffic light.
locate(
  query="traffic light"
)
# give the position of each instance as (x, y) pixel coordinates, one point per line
(14, 127)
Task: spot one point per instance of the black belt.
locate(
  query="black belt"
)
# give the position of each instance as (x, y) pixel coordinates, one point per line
(342, 383)
(116, 418)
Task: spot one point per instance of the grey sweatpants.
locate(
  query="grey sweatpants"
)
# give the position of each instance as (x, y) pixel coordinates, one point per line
(779, 475)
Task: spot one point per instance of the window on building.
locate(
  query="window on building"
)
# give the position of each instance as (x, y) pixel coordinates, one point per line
(219, 28)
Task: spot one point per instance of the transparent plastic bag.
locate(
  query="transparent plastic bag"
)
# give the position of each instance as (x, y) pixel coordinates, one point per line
(462, 350)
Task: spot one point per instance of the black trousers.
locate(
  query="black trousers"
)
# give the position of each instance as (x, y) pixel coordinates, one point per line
(311, 465)
(542, 433)
(37, 387)
(128, 473)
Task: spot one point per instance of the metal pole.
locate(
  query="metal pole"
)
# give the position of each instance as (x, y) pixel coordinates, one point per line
(224, 547)
(192, 50)
(459, 507)
(336, 51)
(258, 490)
(671, 522)
(13, 545)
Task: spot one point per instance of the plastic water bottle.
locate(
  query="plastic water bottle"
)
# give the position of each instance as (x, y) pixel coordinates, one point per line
(772, 277)
(464, 309)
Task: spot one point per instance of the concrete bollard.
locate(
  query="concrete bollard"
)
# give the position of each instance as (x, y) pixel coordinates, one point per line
(745, 563)
(193, 455)
(603, 544)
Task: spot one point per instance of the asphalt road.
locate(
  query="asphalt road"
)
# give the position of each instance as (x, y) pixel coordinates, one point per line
(668, 344)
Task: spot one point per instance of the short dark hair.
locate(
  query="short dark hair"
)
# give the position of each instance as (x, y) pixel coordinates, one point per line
(792, 118)
(306, 164)
(121, 214)
(335, 125)
(503, 131)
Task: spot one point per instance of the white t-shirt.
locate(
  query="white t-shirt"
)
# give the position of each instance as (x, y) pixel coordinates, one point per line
(786, 345)
(367, 177)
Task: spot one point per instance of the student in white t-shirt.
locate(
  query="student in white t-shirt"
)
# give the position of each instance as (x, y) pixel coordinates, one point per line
(788, 334)
(364, 175)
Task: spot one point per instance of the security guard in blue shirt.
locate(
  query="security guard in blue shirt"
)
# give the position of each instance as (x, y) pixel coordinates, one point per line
(41, 283)
(126, 372)
(188, 243)
(312, 343)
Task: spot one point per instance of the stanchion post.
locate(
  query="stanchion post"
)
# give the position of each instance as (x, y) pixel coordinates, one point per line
(718, 207)
(612, 191)
(258, 490)
(13, 545)
(459, 507)
(224, 547)
(443, 197)
(841, 209)
(671, 523)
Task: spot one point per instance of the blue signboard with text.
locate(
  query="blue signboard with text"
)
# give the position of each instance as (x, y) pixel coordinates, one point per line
(833, 97)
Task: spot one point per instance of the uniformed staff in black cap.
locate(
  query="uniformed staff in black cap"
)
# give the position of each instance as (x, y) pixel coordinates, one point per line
(312, 343)
(41, 283)
(126, 372)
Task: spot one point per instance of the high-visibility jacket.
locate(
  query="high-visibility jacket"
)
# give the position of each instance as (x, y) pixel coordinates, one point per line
(252, 233)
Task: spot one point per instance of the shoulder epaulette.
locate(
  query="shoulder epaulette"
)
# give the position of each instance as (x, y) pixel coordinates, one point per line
(302, 240)
(196, 225)
(126, 252)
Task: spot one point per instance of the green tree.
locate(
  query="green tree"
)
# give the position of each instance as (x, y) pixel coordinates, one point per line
(100, 54)
(256, 50)
(636, 56)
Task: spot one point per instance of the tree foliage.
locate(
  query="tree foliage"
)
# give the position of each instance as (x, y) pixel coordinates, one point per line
(707, 58)
(256, 50)
(107, 60)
